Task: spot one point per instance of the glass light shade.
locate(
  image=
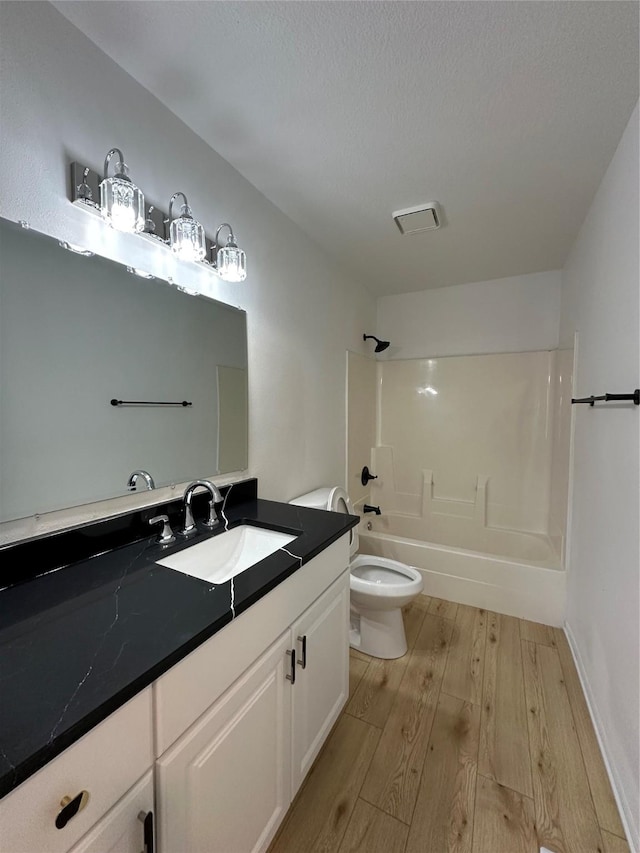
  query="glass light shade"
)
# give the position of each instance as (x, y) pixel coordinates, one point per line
(186, 236)
(231, 263)
(121, 202)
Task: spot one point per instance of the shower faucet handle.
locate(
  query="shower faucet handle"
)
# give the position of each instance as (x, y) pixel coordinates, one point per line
(366, 476)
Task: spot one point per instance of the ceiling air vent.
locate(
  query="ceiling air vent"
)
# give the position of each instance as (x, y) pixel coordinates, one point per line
(414, 220)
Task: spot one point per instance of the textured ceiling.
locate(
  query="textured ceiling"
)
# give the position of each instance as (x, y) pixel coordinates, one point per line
(507, 113)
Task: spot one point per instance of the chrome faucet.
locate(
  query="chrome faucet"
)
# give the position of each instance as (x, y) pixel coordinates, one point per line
(216, 497)
(146, 476)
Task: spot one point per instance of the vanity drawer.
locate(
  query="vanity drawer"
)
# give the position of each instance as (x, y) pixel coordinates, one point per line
(190, 687)
(105, 763)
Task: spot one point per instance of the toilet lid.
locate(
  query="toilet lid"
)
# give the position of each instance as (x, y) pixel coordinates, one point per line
(339, 501)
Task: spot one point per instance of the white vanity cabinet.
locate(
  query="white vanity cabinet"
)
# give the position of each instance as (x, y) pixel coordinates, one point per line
(226, 783)
(237, 724)
(100, 769)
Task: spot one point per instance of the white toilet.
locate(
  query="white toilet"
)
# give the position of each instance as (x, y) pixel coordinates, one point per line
(379, 587)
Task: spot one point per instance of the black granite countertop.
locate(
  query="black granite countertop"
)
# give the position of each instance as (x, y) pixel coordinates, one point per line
(80, 640)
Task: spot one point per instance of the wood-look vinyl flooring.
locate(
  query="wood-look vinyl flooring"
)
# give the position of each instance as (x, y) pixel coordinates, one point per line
(478, 740)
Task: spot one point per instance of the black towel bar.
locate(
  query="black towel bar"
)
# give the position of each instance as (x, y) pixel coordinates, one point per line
(114, 402)
(609, 397)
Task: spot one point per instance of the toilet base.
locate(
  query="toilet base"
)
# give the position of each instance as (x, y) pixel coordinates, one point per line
(379, 633)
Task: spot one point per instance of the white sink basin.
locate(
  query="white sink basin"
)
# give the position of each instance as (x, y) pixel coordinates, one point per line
(228, 554)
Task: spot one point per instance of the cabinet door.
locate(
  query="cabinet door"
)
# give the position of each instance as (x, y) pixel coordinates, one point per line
(225, 786)
(122, 830)
(322, 686)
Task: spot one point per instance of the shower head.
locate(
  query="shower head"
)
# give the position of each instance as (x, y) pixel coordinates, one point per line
(380, 345)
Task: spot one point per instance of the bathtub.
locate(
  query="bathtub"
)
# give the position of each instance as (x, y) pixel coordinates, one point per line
(508, 571)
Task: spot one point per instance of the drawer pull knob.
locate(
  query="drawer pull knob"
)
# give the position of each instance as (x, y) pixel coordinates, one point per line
(70, 808)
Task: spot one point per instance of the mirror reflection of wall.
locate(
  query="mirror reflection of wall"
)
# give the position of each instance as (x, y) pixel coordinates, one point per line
(76, 332)
(233, 418)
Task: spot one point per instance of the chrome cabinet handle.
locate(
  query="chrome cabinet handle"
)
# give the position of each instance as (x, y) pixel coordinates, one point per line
(303, 660)
(292, 672)
(146, 818)
(70, 808)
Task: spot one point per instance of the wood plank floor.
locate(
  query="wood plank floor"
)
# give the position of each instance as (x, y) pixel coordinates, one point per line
(478, 740)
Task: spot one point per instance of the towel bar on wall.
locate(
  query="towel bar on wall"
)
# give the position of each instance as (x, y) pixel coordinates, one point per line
(610, 397)
(183, 403)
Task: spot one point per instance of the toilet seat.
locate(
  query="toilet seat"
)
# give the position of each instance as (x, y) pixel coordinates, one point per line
(380, 576)
(339, 501)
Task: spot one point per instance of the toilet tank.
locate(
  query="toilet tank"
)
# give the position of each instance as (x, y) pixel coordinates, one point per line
(318, 499)
(334, 499)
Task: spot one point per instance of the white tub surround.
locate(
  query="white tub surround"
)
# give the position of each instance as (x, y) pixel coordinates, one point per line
(480, 424)
(361, 422)
(470, 533)
(518, 587)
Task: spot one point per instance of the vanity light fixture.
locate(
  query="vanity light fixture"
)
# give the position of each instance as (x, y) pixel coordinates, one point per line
(140, 273)
(77, 250)
(229, 261)
(122, 205)
(121, 202)
(186, 234)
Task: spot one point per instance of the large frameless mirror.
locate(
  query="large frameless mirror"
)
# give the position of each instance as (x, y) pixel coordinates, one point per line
(103, 373)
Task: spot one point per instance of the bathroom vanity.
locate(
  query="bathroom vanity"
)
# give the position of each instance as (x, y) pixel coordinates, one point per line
(145, 707)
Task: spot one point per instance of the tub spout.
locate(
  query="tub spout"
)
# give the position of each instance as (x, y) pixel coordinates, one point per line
(376, 509)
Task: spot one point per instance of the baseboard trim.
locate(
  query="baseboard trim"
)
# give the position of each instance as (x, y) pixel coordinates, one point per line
(624, 807)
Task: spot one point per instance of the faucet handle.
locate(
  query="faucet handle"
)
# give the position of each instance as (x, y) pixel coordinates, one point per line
(212, 519)
(166, 537)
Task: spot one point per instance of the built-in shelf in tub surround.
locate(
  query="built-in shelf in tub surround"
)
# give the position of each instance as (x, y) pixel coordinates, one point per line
(91, 618)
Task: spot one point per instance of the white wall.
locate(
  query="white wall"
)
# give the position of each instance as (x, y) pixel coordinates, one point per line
(600, 300)
(62, 99)
(514, 314)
